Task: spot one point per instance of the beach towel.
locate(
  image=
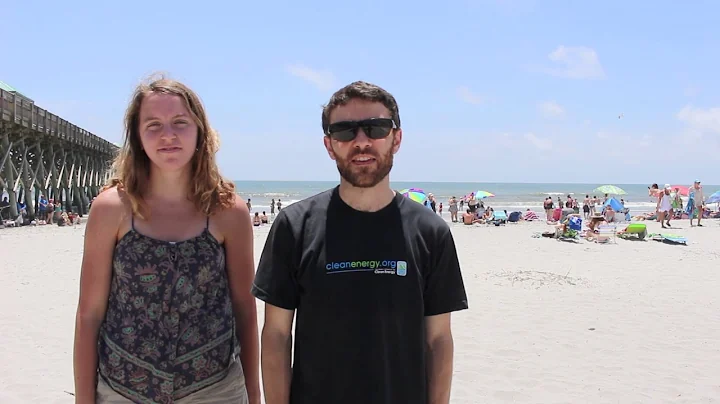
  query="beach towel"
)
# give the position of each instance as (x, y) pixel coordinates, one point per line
(690, 209)
(669, 238)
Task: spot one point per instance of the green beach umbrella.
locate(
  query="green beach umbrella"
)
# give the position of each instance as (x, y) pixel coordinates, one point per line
(610, 189)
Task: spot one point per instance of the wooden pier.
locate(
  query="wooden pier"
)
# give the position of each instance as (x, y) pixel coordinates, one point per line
(42, 152)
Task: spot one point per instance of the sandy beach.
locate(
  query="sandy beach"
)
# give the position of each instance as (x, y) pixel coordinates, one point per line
(549, 321)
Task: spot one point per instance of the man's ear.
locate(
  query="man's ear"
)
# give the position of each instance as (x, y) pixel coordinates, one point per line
(397, 139)
(328, 147)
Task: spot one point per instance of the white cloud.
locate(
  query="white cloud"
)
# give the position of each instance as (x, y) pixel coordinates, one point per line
(324, 80)
(575, 62)
(551, 109)
(468, 96)
(540, 143)
(701, 119)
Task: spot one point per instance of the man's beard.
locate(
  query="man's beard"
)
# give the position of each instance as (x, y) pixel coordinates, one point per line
(365, 176)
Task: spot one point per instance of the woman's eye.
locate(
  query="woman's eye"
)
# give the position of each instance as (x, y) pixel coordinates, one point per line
(154, 125)
(181, 123)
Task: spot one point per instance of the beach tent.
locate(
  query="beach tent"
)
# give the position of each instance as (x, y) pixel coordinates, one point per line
(615, 204)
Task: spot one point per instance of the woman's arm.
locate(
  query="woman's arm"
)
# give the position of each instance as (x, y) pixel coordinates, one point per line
(100, 237)
(238, 235)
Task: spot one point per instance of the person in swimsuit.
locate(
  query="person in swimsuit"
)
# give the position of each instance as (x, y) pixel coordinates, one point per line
(165, 311)
(256, 219)
(263, 218)
(453, 209)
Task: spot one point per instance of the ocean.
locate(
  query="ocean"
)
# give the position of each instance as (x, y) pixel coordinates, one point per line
(509, 196)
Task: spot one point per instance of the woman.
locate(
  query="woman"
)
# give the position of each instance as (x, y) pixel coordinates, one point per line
(453, 209)
(256, 219)
(664, 207)
(167, 267)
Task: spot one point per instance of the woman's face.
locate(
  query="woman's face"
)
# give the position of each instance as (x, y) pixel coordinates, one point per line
(168, 133)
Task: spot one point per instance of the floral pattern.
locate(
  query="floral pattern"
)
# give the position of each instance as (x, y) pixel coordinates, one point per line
(169, 330)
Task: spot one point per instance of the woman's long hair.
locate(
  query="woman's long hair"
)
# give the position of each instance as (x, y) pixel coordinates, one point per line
(209, 191)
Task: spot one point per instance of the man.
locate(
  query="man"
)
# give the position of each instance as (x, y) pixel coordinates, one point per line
(696, 196)
(372, 275)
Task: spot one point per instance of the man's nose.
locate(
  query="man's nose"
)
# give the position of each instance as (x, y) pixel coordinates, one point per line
(361, 139)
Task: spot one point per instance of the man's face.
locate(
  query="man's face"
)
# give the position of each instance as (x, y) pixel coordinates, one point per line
(363, 162)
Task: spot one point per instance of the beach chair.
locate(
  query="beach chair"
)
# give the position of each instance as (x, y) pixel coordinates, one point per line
(514, 217)
(606, 234)
(499, 217)
(572, 230)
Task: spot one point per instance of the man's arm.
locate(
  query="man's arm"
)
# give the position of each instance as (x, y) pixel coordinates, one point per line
(439, 358)
(444, 294)
(275, 284)
(276, 354)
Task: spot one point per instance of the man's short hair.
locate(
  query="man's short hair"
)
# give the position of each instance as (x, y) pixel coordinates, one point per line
(364, 91)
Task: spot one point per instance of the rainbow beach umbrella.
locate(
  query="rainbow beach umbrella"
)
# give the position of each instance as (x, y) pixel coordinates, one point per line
(416, 194)
(483, 194)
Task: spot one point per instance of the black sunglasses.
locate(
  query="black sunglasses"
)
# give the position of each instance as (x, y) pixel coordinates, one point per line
(375, 128)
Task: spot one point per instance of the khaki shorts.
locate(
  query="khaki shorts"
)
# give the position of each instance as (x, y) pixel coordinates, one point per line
(230, 390)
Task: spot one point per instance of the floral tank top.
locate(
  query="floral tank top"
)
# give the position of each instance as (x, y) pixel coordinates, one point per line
(169, 328)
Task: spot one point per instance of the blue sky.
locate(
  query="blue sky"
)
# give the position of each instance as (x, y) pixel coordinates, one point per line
(489, 90)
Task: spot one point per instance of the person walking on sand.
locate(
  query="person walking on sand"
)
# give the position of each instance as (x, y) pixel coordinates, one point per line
(371, 276)
(664, 207)
(696, 202)
(165, 312)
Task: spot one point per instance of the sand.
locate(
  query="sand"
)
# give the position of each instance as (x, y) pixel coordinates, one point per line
(550, 321)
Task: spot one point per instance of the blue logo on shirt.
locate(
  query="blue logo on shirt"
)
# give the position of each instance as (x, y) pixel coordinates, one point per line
(401, 268)
(377, 266)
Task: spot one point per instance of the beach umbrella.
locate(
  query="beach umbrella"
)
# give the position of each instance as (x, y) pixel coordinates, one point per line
(684, 191)
(610, 189)
(483, 194)
(714, 198)
(416, 194)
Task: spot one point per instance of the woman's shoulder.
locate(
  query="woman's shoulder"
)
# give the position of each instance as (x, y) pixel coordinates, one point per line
(110, 201)
(233, 215)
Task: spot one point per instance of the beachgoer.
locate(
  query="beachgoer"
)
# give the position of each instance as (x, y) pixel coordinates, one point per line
(272, 207)
(165, 305)
(548, 206)
(372, 275)
(256, 219)
(664, 207)
(263, 218)
(586, 206)
(696, 202)
(453, 202)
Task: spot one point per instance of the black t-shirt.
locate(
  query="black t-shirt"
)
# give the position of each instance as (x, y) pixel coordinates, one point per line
(362, 284)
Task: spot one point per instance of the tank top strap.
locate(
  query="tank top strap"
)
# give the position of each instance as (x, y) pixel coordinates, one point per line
(207, 223)
(132, 221)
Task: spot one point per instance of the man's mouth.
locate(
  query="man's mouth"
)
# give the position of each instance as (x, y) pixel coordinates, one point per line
(363, 160)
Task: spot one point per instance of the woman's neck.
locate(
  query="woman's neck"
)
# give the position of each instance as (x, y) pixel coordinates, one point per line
(169, 185)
